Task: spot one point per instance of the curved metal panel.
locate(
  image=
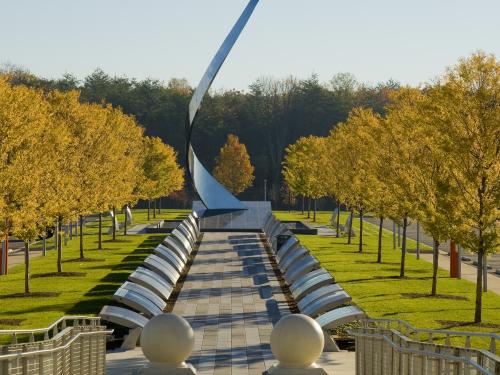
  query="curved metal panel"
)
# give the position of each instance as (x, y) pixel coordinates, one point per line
(213, 195)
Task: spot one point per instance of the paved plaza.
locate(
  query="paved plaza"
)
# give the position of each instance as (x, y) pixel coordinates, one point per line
(231, 297)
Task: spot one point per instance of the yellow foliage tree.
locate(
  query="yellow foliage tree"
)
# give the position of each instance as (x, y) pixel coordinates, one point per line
(304, 168)
(233, 168)
(162, 175)
(26, 155)
(465, 109)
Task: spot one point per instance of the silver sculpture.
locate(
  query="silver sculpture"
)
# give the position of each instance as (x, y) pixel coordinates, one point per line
(213, 195)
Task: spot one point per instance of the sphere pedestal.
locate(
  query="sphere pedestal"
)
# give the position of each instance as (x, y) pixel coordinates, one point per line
(167, 341)
(297, 342)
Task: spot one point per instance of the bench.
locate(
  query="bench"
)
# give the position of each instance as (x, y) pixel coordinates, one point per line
(311, 282)
(177, 235)
(318, 294)
(123, 317)
(137, 302)
(289, 245)
(187, 234)
(166, 254)
(326, 303)
(145, 292)
(292, 257)
(162, 268)
(179, 249)
(152, 281)
(299, 269)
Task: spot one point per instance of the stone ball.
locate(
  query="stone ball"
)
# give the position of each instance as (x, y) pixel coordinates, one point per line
(297, 341)
(167, 338)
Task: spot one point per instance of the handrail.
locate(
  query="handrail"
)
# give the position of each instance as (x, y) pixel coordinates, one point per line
(53, 328)
(57, 348)
(38, 330)
(467, 335)
(427, 353)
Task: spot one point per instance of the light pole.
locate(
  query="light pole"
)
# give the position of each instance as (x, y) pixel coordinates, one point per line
(265, 190)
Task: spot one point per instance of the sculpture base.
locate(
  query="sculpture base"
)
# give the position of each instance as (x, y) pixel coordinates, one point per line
(165, 369)
(314, 369)
(250, 220)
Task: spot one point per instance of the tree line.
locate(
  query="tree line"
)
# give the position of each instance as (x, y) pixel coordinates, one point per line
(62, 159)
(434, 156)
(267, 117)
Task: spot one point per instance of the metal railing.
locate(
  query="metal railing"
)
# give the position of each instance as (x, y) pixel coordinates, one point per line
(381, 351)
(455, 338)
(76, 349)
(15, 336)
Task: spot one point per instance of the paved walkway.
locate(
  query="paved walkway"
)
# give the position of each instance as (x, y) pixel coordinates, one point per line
(232, 298)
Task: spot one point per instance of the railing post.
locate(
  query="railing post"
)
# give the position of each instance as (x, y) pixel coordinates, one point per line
(493, 347)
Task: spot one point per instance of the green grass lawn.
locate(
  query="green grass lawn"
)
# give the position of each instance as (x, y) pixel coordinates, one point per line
(377, 289)
(78, 295)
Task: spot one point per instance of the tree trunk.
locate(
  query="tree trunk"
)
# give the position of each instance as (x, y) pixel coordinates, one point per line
(114, 223)
(159, 205)
(485, 273)
(308, 208)
(479, 284)
(418, 239)
(154, 208)
(82, 255)
(337, 226)
(125, 222)
(149, 209)
(99, 235)
(26, 267)
(394, 235)
(58, 245)
(44, 243)
(435, 264)
(349, 230)
(361, 230)
(289, 201)
(55, 236)
(380, 229)
(71, 229)
(399, 235)
(403, 248)
(303, 204)
(314, 216)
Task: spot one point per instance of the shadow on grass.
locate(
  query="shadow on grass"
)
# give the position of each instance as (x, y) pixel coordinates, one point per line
(102, 293)
(59, 274)
(448, 324)
(116, 241)
(30, 295)
(83, 260)
(438, 296)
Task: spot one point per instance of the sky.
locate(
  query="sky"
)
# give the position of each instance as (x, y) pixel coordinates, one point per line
(409, 41)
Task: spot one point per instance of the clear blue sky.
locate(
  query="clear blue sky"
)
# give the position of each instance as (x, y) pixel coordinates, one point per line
(410, 41)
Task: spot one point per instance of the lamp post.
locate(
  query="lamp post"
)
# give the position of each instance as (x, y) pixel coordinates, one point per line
(265, 190)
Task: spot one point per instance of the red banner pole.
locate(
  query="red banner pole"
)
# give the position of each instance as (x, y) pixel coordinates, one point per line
(454, 260)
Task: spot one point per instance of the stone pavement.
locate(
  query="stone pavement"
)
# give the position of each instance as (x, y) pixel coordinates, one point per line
(231, 297)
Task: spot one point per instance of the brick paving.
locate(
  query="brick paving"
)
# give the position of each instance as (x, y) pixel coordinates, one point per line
(231, 298)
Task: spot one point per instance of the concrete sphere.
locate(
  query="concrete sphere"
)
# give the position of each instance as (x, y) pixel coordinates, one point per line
(297, 341)
(167, 338)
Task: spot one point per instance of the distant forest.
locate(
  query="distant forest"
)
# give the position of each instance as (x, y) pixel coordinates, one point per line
(267, 117)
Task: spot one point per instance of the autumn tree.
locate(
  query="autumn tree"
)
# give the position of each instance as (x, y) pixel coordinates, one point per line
(233, 168)
(26, 154)
(161, 174)
(465, 108)
(303, 168)
(352, 148)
